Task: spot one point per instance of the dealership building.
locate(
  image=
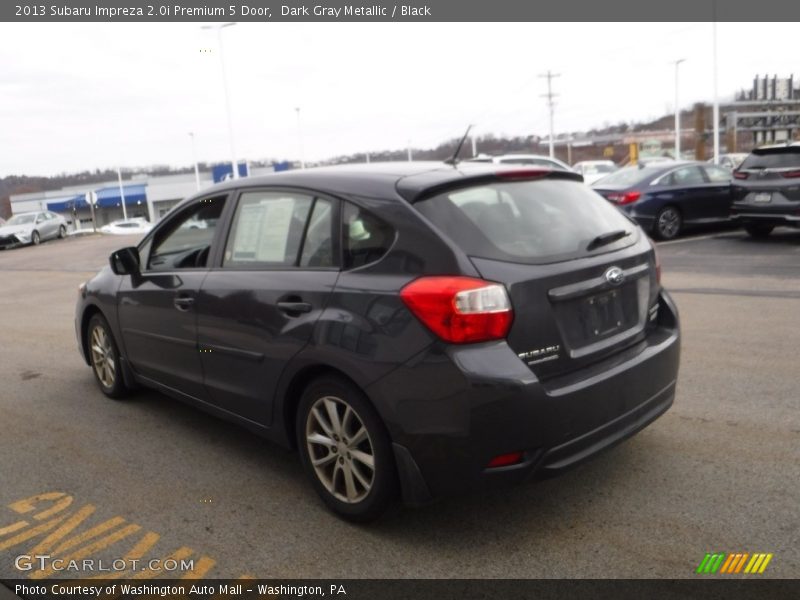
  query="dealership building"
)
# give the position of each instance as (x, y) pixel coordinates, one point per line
(144, 196)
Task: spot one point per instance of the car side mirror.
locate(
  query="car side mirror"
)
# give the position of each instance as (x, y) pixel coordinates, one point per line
(125, 261)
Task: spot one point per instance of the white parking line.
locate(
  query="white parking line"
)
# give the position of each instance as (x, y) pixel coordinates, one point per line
(691, 239)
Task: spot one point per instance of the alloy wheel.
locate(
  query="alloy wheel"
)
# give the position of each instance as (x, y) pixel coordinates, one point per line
(669, 223)
(103, 357)
(340, 449)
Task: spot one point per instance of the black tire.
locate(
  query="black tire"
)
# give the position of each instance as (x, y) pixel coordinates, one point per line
(759, 231)
(35, 238)
(115, 386)
(668, 224)
(62, 232)
(369, 502)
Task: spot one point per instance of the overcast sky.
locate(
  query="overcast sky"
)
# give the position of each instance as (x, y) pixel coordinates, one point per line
(85, 96)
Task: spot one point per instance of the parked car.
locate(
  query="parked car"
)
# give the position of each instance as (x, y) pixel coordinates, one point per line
(411, 326)
(32, 228)
(666, 198)
(592, 170)
(533, 160)
(127, 227)
(731, 160)
(766, 189)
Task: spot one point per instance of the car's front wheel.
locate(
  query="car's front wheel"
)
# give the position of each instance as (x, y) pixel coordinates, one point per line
(35, 239)
(668, 223)
(62, 232)
(104, 357)
(759, 231)
(345, 449)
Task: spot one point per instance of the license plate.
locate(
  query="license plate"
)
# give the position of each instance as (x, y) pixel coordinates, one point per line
(762, 197)
(604, 312)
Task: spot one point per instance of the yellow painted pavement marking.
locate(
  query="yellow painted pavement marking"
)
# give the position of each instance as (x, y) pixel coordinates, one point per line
(99, 537)
(90, 549)
(764, 564)
(13, 527)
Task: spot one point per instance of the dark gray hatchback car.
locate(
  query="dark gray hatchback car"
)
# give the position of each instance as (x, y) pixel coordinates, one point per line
(415, 329)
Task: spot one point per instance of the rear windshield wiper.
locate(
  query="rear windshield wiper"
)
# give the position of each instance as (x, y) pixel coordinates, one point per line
(607, 238)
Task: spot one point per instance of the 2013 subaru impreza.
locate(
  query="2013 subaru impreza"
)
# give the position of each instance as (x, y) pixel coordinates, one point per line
(413, 329)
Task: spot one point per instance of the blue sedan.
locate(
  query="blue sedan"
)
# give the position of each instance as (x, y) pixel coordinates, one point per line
(667, 198)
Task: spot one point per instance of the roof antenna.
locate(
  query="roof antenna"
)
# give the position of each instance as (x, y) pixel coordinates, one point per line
(454, 159)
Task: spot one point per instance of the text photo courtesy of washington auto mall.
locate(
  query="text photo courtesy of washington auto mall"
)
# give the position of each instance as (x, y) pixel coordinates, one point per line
(392, 303)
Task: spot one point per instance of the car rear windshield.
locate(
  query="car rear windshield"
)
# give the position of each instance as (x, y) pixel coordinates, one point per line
(531, 222)
(778, 158)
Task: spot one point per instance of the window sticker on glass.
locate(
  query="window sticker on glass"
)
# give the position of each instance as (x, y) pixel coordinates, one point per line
(267, 229)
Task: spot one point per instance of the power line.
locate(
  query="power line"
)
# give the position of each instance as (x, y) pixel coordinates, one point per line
(550, 104)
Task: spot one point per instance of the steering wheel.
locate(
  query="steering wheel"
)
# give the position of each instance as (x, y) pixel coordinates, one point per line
(201, 257)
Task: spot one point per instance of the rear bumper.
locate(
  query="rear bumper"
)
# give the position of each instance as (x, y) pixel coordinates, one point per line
(452, 410)
(758, 216)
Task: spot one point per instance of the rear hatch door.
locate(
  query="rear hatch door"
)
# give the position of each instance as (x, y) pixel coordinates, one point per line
(580, 275)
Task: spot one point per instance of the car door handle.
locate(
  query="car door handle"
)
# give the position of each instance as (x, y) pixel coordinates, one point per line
(294, 307)
(183, 303)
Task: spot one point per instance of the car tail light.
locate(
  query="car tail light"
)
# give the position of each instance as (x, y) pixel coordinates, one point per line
(626, 198)
(524, 174)
(505, 460)
(630, 197)
(460, 310)
(740, 175)
(790, 174)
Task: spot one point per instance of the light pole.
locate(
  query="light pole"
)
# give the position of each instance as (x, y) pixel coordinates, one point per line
(677, 113)
(219, 29)
(716, 98)
(300, 140)
(121, 194)
(194, 160)
(410, 157)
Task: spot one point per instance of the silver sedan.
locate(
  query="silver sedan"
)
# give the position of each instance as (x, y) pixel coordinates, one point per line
(32, 228)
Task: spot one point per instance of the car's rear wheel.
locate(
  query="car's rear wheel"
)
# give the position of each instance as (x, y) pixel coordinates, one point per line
(669, 223)
(104, 357)
(759, 231)
(35, 239)
(62, 232)
(345, 449)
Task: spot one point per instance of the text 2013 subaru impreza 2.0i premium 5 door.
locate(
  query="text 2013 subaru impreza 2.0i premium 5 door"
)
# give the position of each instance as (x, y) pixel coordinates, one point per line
(412, 329)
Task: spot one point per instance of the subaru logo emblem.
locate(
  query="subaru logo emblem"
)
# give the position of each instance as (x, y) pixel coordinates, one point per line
(615, 276)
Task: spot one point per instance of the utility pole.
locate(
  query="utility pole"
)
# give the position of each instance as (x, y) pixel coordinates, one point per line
(550, 105)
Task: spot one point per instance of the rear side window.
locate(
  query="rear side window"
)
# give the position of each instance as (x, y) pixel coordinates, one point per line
(776, 159)
(527, 221)
(366, 238)
(718, 174)
(683, 176)
(626, 177)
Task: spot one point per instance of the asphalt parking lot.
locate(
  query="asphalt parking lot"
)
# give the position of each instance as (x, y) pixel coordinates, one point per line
(150, 477)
